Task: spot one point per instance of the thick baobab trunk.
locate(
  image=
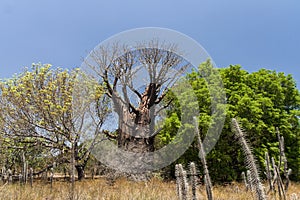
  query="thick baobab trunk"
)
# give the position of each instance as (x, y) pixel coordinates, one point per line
(136, 132)
(134, 135)
(135, 144)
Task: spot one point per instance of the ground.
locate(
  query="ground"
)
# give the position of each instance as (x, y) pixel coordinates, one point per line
(122, 190)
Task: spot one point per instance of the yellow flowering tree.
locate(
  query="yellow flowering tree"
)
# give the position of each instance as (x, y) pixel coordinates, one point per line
(56, 109)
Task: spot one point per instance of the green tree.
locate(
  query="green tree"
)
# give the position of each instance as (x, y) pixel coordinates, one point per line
(262, 101)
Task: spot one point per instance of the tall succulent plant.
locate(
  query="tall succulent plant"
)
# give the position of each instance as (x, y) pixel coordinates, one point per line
(181, 182)
(193, 175)
(249, 160)
(207, 179)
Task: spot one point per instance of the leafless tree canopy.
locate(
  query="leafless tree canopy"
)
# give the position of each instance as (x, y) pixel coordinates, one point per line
(154, 65)
(119, 65)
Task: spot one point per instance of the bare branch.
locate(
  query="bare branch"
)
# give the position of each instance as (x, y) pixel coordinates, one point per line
(109, 135)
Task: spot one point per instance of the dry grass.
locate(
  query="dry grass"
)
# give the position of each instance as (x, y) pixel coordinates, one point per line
(98, 189)
(237, 191)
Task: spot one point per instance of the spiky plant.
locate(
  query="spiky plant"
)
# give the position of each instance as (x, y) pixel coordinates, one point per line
(208, 187)
(201, 154)
(249, 180)
(275, 177)
(185, 186)
(245, 181)
(287, 175)
(282, 158)
(178, 181)
(249, 160)
(281, 148)
(268, 172)
(193, 174)
(181, 182)
(281, 191)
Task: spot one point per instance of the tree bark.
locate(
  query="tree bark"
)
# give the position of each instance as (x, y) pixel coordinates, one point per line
(135, 131)
(80, 172)
(135, 144)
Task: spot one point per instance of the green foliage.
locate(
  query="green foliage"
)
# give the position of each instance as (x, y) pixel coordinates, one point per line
(42, 107)
(261, 101)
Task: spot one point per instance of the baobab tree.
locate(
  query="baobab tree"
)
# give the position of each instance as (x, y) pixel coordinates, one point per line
(137, 80)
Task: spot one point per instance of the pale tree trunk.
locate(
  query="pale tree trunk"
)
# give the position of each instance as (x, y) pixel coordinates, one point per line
(72, 170)
(135, 131)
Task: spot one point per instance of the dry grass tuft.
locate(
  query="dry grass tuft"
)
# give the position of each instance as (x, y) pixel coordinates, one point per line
(122, 190)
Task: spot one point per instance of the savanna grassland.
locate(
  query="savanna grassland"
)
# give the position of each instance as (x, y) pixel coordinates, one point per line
(123, 190)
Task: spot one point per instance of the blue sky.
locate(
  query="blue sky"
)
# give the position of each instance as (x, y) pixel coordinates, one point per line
(255, 34)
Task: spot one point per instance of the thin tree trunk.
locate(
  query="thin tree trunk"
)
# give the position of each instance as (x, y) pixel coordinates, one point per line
(72, 192)
(31, 177)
